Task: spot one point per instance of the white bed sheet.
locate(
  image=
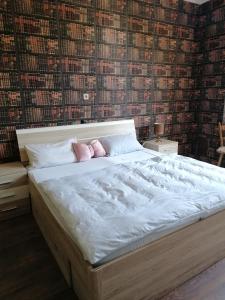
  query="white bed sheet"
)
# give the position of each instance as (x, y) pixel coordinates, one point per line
(40, 176)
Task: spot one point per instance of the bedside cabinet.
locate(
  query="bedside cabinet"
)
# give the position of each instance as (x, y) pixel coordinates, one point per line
(164, 146)
(14, 191)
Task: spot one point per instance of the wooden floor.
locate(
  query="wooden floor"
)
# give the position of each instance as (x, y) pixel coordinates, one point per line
(28, 270)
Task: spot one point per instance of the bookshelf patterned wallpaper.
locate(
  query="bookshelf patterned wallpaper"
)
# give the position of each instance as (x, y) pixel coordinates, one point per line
(210, 78)
(134, 58)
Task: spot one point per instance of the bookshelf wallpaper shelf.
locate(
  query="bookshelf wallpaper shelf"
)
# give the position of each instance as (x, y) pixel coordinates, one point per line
(210, 80)
(134, 59)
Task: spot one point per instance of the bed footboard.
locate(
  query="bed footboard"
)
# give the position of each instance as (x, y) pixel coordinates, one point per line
(154, 270)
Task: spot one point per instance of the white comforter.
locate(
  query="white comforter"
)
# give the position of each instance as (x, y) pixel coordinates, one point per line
(111, 208)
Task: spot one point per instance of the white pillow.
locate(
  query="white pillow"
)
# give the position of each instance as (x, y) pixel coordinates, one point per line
(48, 155)
(119, 144)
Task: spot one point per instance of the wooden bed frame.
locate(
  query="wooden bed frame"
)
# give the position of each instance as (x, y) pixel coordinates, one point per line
(146, 273)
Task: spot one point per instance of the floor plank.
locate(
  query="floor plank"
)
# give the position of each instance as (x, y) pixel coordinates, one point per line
(29, 271)
(27, 268)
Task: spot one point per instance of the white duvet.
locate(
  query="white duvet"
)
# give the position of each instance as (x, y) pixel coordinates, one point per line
(111, 208)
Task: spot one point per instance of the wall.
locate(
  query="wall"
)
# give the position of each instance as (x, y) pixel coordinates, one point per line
(134, 58)
(210, 78)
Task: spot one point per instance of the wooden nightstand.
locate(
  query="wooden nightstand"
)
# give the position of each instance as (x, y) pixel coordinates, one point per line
(14, 192)
(164, 146)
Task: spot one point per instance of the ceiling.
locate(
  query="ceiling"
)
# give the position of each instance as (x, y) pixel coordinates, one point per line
(197, 1)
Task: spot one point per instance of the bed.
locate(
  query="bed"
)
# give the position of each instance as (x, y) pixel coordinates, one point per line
(149, 267)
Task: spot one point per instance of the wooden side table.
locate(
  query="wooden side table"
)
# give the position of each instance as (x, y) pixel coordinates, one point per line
(164, 146)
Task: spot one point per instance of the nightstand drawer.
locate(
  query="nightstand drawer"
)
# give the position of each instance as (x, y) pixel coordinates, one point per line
(168, 150)
(14, 208)
(12, 180)
(14, 194)
(14, 190)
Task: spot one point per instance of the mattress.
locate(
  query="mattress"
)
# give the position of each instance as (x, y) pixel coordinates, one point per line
(138, 198)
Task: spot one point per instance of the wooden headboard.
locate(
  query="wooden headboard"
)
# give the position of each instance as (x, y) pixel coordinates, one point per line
(83, 133)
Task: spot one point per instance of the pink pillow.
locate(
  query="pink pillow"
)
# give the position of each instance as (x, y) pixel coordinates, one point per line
(98, 148)
(83, 151)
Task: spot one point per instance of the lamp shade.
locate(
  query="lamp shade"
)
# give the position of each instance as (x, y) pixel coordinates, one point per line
(158, 129)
